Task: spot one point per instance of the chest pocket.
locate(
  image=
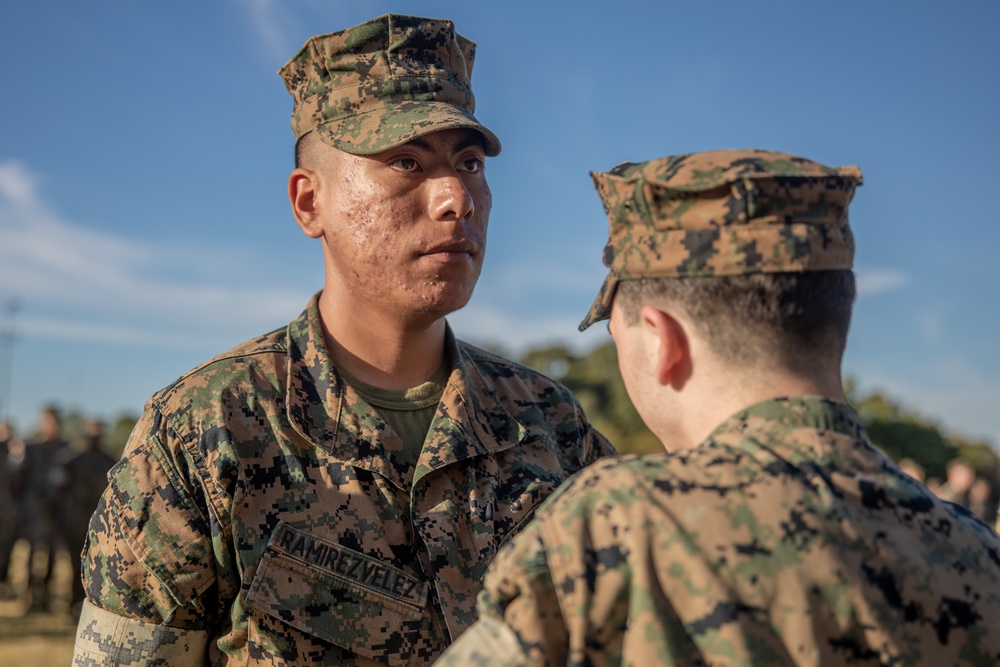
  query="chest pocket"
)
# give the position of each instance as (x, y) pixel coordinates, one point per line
(339, 595)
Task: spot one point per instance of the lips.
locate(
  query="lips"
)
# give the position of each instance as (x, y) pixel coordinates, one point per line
(452, 247)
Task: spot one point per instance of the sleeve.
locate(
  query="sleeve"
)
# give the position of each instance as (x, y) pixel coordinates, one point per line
(105, 639)
(520, 621)
(149, 561)
(596, 445)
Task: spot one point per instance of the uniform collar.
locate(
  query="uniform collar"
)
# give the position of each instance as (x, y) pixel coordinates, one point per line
(788, 427)
(792, 412)
(329, 413)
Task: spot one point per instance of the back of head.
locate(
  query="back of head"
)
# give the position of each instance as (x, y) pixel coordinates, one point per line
(753, 245)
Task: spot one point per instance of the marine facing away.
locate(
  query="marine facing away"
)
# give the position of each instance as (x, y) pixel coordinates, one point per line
(771, 532)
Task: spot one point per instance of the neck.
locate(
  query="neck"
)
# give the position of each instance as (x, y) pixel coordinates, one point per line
(714, 397)
(380, 350)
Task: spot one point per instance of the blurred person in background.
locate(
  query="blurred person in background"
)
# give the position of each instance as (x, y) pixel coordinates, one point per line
(40, 507)
(981, 500)
(913, 469)
(933, 484)
(84, 480)
(11, 466)
(959, 478)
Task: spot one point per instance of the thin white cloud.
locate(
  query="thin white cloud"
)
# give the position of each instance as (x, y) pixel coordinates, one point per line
(879, 281)
(565, 275)
(264, 16)
(81, 330)
(515, 333)
(17, 184)
(931, 325)
(84, 284)
(274, 22)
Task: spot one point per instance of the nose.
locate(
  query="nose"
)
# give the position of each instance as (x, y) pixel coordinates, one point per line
(450, 198)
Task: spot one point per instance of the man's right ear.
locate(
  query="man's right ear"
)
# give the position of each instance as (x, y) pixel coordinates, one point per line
(667, 334)
(303, 191)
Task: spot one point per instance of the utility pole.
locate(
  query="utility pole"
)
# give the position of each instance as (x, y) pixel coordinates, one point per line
(7, 337)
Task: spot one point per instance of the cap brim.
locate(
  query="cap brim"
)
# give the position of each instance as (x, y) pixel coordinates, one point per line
(381, 129)
(601, 310)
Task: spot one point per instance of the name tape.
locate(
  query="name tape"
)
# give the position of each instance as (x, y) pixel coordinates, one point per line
(346, 563)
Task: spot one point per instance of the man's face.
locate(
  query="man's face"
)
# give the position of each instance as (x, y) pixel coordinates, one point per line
(961, 477)
(404, 230)
(49, 428)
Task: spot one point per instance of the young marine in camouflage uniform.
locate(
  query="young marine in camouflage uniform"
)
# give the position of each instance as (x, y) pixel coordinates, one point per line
(331, 493)
(774, 533)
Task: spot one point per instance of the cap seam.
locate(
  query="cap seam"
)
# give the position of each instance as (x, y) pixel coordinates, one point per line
(731, 179)
(381, 108)
(745, 178)
(327, 91)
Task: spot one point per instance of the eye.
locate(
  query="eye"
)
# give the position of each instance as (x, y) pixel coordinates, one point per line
(405, 164)
(473, 165)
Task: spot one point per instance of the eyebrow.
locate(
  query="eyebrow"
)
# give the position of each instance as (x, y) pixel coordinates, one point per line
(472, 139)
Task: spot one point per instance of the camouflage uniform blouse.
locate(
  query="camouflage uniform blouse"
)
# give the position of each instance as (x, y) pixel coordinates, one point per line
(260, 516)
(785, 539)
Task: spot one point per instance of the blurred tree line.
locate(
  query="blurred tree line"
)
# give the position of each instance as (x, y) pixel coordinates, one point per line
(901, 432)
(593, 376)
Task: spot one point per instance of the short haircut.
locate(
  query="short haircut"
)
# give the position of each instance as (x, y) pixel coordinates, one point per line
(798, 321)
(300, 148)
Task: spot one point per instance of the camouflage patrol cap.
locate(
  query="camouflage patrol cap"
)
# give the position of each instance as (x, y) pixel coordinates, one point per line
(723, 213)
(380, 84)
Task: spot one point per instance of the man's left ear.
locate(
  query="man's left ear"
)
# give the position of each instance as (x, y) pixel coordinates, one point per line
(668, 335)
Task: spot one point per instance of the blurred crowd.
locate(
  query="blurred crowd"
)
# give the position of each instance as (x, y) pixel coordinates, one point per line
(961, 486)
(48, 491)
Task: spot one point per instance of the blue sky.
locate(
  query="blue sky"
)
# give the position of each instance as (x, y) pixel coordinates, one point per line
(145, 146)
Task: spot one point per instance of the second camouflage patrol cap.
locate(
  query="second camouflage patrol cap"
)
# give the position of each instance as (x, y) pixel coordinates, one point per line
(380, 84)
(723, 213)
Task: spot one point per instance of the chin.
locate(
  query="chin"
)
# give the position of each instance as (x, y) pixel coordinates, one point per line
(442, 304)
(449, 306)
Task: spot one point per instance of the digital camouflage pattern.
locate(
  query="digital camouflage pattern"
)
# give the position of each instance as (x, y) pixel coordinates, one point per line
(107, 640)
(785, 538)
(261, 510)
(382, 83)
(719, 213)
